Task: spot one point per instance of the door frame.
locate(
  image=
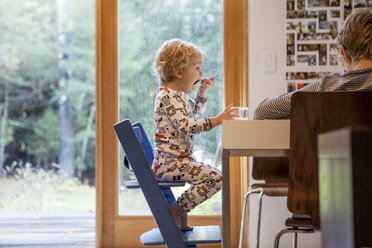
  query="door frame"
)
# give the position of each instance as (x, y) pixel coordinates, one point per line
(113, 230)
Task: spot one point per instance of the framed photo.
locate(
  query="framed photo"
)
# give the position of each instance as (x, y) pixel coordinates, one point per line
(290, 38)
(333, 59)
(311, 27)
(301, 85)
(335, 14)
(318, 3)
(333, 48)
(360, 3)
(334, 3)
(290, 5)
(322, 15)
(290, 60)
(291, 86)
(300, 5)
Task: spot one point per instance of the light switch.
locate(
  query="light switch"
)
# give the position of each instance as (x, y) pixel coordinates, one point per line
(268, 61)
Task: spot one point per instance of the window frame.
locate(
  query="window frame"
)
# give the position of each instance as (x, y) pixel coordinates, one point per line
(113, 230)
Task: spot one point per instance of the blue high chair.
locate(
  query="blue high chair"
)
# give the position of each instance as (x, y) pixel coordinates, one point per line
(147, 148)
(138, 150)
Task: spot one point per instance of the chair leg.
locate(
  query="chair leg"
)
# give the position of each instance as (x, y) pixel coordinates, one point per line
(243, 218)
(259, 218)
(294, 240)
(277, 237)
(291, 230)
(253, 191)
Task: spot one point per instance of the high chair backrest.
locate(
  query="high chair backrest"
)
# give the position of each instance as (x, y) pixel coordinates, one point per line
(144, 141)
(147, 148)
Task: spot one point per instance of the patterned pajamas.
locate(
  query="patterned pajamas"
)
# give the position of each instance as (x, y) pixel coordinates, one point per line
(205, 180)
(176, 126)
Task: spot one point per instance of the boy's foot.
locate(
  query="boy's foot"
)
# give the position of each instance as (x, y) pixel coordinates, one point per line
(175, 215)
(183, 223)
(181, 220)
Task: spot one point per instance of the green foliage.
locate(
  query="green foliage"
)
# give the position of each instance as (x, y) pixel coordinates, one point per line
(40, 190)
(43, 142)
(32, 61)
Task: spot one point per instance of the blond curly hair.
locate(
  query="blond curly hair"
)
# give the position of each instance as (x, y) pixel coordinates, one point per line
(174, 56)
(356, 34)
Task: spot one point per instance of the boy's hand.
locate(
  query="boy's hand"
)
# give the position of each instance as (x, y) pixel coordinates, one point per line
(228, 114)
(205, 84)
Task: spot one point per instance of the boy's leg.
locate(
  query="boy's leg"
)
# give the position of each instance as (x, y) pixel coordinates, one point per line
(179, 216)
(175, 214)
(205, 181)
(183, 223)
(166, 169)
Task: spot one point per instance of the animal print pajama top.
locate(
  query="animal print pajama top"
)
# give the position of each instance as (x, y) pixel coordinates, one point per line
(176, 124)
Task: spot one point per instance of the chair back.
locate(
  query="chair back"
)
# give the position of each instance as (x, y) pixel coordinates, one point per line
(274, 170)
(153, 194)
(145, 144)
(147, 148)
(144, 141)
(313, 113)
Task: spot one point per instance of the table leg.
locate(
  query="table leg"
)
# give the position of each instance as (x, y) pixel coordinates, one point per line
(226, 227)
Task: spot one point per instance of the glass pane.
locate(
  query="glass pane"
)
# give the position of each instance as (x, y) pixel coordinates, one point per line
(47, 105)
(143, 27)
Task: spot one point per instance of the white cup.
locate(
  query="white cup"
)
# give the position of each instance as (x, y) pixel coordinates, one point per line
(242, 112)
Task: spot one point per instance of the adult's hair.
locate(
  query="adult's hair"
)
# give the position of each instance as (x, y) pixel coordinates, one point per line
(356, 34)
(174, 56)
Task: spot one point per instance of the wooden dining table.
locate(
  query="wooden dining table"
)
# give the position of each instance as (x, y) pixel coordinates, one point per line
(248, 138)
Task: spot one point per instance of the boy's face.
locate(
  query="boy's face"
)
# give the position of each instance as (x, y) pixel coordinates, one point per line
(191, 76)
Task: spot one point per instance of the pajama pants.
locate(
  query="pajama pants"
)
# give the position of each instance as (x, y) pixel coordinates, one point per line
(205, 180)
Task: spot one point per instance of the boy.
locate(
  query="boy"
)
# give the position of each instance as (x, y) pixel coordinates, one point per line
(178, 67)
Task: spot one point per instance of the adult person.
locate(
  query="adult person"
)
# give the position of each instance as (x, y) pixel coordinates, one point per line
(355, 46)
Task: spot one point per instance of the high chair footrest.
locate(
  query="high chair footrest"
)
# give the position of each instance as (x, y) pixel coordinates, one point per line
(199, 235)
(133, 184)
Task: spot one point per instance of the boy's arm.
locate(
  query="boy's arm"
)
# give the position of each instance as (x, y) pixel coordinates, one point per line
(176, 112)
(198, 105)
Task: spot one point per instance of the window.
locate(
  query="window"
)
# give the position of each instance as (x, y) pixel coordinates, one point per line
(47, 104)
(143, 27)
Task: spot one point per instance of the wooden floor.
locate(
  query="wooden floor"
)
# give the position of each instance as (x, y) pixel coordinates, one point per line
(47, 229)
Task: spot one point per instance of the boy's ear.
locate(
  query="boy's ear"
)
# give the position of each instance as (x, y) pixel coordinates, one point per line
(179, 75)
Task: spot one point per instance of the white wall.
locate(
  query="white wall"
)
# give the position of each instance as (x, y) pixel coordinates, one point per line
(267, 32)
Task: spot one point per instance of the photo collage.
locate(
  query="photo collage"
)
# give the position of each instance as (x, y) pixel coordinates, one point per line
(311, 31)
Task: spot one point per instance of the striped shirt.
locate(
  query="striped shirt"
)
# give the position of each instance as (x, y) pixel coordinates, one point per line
(279, 107)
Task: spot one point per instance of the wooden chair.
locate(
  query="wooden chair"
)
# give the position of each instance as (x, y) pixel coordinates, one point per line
(313, 113)
(274, 171)
(167, 232)
(345, 187)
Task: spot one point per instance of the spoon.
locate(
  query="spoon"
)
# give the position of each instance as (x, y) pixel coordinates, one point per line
(208, 76)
